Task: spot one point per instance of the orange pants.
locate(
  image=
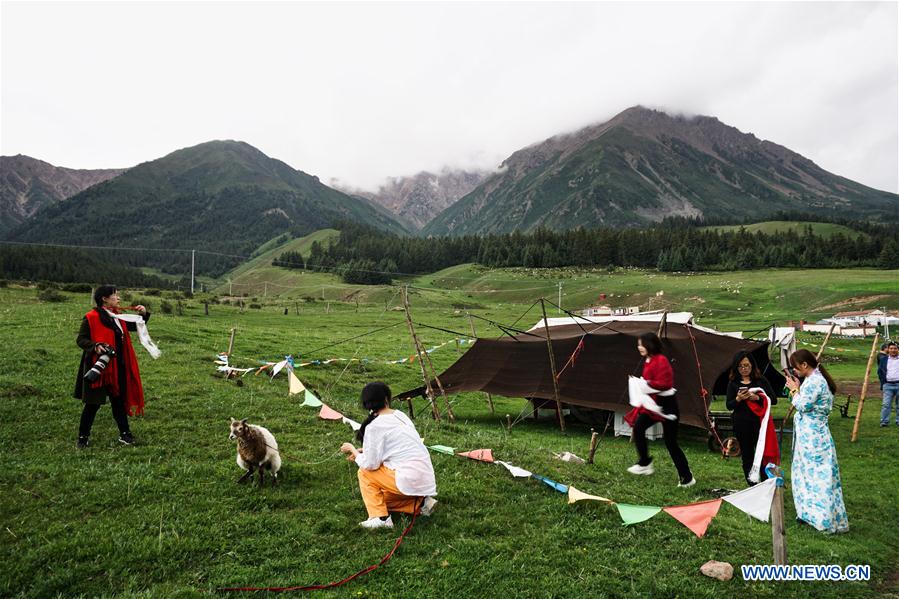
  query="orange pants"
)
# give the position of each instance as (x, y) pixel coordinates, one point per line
(380, 494)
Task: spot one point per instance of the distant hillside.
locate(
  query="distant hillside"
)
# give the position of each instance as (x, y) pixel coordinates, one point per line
(419, 198)
(782, 226)
(220, 196)
(644, 165)
(28, 184)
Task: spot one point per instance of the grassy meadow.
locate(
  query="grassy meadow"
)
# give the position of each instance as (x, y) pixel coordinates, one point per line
(166, 517)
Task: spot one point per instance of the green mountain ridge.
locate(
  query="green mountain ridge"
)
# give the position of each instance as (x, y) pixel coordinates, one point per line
(643, 166)
(219, 196)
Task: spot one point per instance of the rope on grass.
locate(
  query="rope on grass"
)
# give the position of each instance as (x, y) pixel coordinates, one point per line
(330, 585)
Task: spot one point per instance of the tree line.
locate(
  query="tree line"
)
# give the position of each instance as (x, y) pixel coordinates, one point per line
(367, 256)
(67, 265)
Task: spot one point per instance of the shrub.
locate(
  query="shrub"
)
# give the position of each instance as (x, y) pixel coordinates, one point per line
(154, 292)
(256, 306)
(165, 307)
(77, 287)
(50, 294)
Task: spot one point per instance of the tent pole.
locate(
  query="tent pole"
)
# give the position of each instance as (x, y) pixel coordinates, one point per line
(861, 399)
(475, 335)
(429, 391)
(663, 324)
(552, 365)
(826, 339)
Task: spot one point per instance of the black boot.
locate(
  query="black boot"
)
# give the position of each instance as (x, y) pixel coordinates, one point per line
(83, 442)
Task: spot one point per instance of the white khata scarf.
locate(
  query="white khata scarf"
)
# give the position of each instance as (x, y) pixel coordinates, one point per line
(142, 334)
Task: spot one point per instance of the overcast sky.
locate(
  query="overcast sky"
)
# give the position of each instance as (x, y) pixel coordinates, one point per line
(359, 92)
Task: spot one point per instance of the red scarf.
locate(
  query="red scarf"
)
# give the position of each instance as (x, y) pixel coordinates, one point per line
(771, 452)
(134, 390)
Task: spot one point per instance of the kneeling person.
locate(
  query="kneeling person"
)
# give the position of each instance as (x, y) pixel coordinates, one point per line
(395, 470)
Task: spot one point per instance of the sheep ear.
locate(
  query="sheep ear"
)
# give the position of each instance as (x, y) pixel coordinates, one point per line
(233, 421)
(244, 421)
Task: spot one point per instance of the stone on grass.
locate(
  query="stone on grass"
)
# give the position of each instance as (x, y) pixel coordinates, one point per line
(719, 570)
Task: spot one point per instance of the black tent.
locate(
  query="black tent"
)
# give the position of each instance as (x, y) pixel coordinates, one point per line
(596, 375)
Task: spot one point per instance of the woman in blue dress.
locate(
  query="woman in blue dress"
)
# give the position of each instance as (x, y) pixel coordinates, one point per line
(815, 473)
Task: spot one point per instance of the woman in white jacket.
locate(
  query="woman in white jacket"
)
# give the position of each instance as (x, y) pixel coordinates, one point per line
(395, 470)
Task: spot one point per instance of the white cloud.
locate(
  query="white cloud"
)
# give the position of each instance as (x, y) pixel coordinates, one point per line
(362, 91)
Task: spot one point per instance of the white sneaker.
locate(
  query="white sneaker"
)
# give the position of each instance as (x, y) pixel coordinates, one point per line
(427, 507)
(689, 483)
(376, 522)
(638, 469)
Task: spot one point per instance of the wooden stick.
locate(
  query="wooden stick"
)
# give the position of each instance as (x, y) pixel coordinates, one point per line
(509, 422)
(823, 345)
(435, 412)
(475, 336)
(861, 398)
(552, 365)
(594, 439)
(663, 323)
(778, 536)
(231, 342)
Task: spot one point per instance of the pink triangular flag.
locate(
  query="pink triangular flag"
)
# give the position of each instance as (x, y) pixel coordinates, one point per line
(695, 516)
(329, 414)
(484, 455)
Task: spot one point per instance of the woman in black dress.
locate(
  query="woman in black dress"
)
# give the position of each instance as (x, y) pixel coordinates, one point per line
(745, 375)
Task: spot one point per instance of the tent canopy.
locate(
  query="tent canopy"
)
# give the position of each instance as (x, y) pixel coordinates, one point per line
(519, 366)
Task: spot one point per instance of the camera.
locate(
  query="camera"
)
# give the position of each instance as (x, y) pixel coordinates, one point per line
(100, 365)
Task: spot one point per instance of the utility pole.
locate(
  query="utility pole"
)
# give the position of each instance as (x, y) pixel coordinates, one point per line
(560, 297)
(265, 289)
(230, 288)
(192, 256)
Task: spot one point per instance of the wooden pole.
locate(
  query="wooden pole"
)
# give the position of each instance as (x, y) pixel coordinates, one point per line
(449, 408)
(475, 336)
(552, 365)
(861, 398)
(509, 422)
(823, 345)
(231, 342)
(663, 323)
(429, 391)
(594, 439)
(778, 536)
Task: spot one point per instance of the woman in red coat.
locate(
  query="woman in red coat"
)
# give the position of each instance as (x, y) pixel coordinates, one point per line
(108, 366)
(657, 372)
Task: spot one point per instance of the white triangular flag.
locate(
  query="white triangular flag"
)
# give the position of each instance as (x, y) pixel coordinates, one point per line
(277, 368)
(755, 501)
(515, 470)
(295, 385)
(353, 424)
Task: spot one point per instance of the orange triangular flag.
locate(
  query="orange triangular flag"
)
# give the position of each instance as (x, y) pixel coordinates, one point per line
(327, 413)
(484, 455)
(695, 516)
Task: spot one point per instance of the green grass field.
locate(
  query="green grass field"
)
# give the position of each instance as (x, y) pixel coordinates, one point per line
(166, 518)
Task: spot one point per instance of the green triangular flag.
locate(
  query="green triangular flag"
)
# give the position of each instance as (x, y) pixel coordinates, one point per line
(311, 400)
(443, 449)
(632, 514)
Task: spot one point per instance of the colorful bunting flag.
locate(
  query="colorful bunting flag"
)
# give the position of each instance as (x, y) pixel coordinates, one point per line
(632, 514)
(755, 501)
(311, 400)
(557, 486)
(442, 449)
(515, 470)
(353, 424)
(295, 385)
(327, 413)
(695, 516)
(484, 455)
(574, 495)
(277, 367)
